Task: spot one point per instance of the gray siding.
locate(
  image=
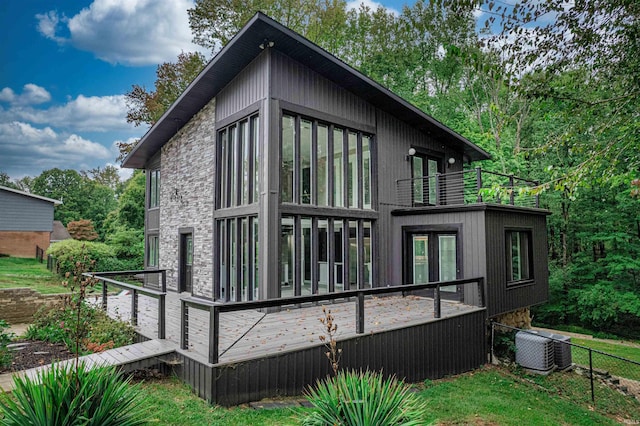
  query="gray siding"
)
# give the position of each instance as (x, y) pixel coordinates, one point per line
(23, 213)
(249, 87)
(296, 83)
(500, 298)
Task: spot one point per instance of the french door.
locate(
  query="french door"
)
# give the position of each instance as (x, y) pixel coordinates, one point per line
(423, 171)
(433, 256)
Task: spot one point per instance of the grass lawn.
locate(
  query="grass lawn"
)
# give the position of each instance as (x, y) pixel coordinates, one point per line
(610, 364)
(490, 396)
(18, 272)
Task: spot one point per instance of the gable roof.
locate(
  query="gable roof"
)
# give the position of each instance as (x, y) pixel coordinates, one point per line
(26, 194)
(244, 47)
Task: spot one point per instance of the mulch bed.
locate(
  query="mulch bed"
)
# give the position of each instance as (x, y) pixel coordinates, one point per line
(34, 353)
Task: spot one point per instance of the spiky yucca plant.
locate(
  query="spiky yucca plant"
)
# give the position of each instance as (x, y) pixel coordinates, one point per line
(363, 399)
(70, 396)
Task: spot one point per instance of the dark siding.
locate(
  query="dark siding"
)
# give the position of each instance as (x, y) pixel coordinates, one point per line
(298, 84)
(249, 86)
(432, 350)
(501, 299)
(24, 213)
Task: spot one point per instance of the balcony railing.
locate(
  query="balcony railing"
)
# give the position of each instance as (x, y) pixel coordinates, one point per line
(467, 187)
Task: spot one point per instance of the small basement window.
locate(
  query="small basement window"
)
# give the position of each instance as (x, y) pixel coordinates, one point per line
(519, 251)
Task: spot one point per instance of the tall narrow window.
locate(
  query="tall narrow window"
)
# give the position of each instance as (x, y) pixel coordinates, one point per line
(519, 249)
(323, 256)
(352, 170)
(305, 256)
(244, 259)
(223, 259)
(245, 166)
(153, 253)
(256, 277)
(323, 165)
(224, 168)
(233, 166)
(288, 159)
(287, 257)
(353, 255)
(154, 188)
(255, 123)
(233, 260)
(338, 255)
(367, 279)
(305, 161)
(338, 168)
(366, 172)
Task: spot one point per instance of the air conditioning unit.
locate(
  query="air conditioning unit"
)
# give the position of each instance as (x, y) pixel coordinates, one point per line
(535, 352)
(561, 349)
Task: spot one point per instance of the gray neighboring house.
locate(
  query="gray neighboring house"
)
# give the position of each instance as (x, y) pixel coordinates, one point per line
(282, 171)
(26, 222)
(59, 232)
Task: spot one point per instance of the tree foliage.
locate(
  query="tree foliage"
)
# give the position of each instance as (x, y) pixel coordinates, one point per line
(82, 230)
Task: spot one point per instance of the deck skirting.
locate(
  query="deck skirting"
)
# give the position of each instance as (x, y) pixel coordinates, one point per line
(425, 351)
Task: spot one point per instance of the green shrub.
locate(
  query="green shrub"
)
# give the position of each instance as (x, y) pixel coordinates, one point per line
(363, 398)
(5, 339)
(94, 255)
(64, 395)
(59, 325)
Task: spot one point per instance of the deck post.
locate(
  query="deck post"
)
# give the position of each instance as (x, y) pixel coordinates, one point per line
(163, 287)
(479, 183)
(512, 195)
(436, 302)
(481, 292)
(184, 338)
(134, 308)
(360, 313)
(214, 317)
(161, 317)
(104, 296)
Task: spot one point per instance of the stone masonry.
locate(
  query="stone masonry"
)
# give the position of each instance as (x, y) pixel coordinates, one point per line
(186, 199)
(19, 304)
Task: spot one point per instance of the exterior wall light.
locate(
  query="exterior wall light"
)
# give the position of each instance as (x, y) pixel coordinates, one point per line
(412, 152)
(451, 161)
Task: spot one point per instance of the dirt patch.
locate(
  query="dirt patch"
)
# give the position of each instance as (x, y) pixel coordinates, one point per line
(34, 353)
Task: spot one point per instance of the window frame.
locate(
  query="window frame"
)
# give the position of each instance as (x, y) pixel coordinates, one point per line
(508, 250)
(154, 189)
(351, 181)
(153, 251)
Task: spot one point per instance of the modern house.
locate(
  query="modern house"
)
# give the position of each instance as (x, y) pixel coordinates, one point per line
(281, 171)
(26, 222)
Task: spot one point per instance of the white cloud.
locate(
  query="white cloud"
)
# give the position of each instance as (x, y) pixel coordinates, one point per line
(123, 173)
(371, 4)
(32, 94)
(84, 113)
(27, 149)
(130, 32)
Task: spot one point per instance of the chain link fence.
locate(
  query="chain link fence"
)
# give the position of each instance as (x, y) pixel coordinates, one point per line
(543, 353)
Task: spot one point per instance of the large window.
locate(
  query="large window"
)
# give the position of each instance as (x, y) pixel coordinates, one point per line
(238, 259)
(325, 165)
(154, 188)
(238, 167)
(518, 255)
(320, 255)
(153, 252)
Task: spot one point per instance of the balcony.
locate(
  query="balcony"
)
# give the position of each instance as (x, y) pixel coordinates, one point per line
(467, 187)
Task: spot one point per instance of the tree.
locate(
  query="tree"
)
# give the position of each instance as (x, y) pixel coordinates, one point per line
(107, 176)
(82, 230)
(5, 180)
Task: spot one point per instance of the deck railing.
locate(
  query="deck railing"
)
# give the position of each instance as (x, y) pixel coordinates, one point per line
(160, 295)
(215, 309)
(467, 187)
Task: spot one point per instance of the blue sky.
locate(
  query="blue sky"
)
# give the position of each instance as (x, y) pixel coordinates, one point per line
(66, 66)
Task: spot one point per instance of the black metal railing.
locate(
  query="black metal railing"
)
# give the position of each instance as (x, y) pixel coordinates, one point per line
(215, 309)
(52, 264)
(467, 187)
(136, 290)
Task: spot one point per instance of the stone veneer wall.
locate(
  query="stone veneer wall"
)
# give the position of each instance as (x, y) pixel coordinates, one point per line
(19, 304)
(187, 173)
(520, 318)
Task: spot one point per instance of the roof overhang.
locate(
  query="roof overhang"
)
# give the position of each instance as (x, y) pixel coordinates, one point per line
(26, 194)
(244, 48)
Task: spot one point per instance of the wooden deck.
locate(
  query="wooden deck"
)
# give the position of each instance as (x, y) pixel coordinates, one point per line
(130, 357)
(248, 334)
